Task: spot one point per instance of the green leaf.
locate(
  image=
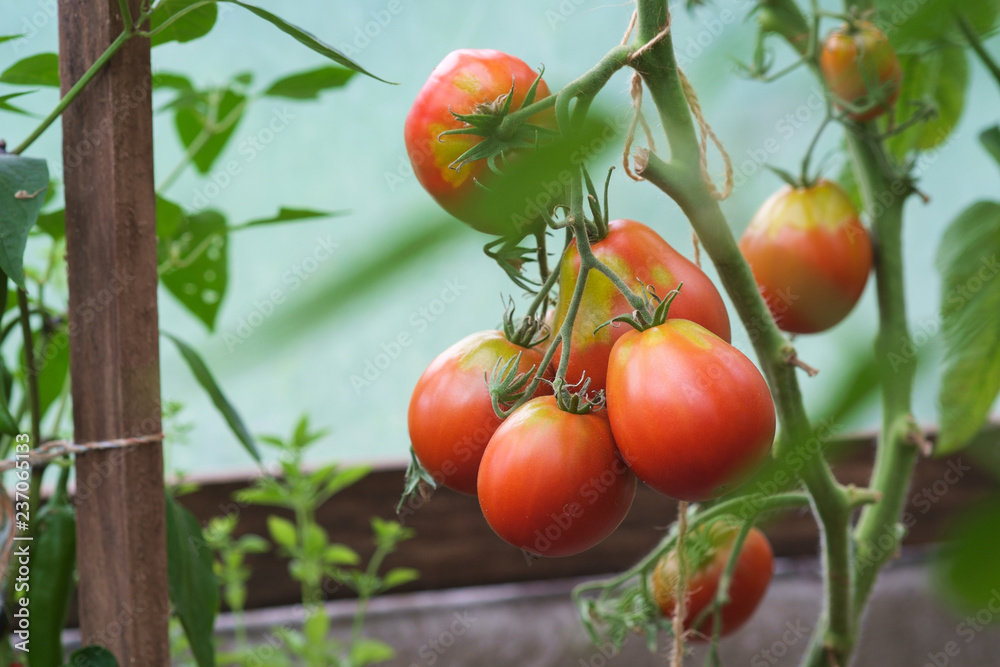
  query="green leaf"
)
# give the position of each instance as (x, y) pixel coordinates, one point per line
(367, 651)
(283, 532)
(315, 540)
(399, 576)
(8, 424)
(194, 591)
(205, 379)
(271, 494)
(192, 25)
(970, 323)
(308, 85)
(913, 25)
(51, 581)
(172, 80)
(990, 138)
(7, 38)
(41, 69)
(92, 656)
(6, 106)
(194, 258)
(935, 80)
(216, 113)
(53, 223)
(306, 38)
(316, 626)
(965, 568)
(23, 181)
(344, 478)
(288, 215)
(52, 366)
(339, 554)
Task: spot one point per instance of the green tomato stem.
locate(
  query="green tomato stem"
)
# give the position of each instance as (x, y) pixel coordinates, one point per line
(977, 45)
(77, 88)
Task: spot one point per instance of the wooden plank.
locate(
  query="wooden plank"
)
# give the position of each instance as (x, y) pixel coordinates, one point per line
(111, 251)
(454, 546)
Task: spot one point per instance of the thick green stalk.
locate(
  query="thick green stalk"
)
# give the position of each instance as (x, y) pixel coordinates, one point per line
(681, 179)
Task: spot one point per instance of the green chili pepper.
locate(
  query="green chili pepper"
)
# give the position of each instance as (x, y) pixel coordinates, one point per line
(51, 583)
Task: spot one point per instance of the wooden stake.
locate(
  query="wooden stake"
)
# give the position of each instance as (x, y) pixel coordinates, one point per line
(114, 347)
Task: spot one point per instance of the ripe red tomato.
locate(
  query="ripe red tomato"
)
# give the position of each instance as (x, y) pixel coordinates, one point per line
(692, 416)
(551, 482)
(754, 567)
(451, 417)
(810, 255)
(637, 254)
(860, 67)
(467, 81)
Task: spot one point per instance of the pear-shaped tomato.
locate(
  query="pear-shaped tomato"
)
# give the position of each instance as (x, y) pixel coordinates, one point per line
(860, 67)
(467, 81)
(711, 547)
(551, 482)
(692, 415)
(638, 255)
(451, 416)
(810, 255)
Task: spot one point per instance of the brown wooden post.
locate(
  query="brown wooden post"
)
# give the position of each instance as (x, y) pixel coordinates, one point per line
(114, 347)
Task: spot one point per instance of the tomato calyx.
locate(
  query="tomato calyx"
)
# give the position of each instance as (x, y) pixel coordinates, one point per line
(528, 332)
(575, 399)
(507, 386)
(653, 314)
(500, 130)
(418, 482)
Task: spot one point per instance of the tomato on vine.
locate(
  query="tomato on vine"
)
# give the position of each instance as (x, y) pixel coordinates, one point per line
(860, 68)
(451, 417)
(641, 257)
(810, 256)
(692, 416)
(469, 82)
(551, 481)
(708, 551)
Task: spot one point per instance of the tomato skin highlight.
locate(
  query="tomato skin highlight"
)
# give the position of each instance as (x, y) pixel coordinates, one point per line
(754, 568)
(451, 418)
(464, 80)
(692, 415)
(637, 254)
(859, 65)
(810, 256)
(551, 482)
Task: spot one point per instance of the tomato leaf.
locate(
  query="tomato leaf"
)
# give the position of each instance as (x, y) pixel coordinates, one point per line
(970, 323)
(289, 215)
(190, 26)
(194, 591)
(990, 138)
(172, 80)
(965, 568)
(282, 532)
(41, 69)
(306, 38)
(6, 106)
(399, 576)
(7, 38)
(193, 253)
(308, 85)
(92, 656)
(23, 181)
(935, 81)
(932, 20)
(208, 383)
(210, 119)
